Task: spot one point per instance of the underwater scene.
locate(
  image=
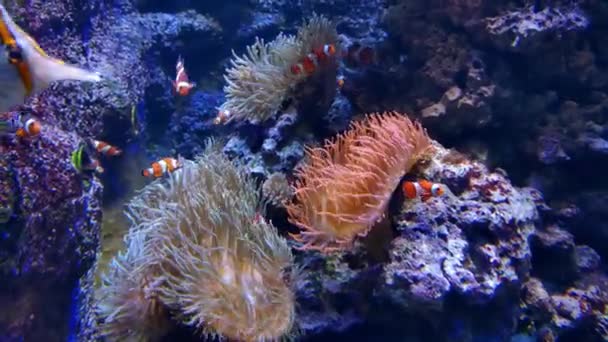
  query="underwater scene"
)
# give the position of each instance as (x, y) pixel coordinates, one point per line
(304, 170)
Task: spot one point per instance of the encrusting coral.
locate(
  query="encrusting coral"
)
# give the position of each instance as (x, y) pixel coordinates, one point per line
(221, 267)
(344, 188)
(276, 189)
(260, 82)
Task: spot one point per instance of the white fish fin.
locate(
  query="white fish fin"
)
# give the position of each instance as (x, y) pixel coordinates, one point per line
(43, 68)
(46, 70)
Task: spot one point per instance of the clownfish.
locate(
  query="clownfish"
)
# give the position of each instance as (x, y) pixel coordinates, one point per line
(182, 84)
(422, 189)
(161, 167)
(222, 117)
(21, 125)
(359, 55)
(310, 63)
(106, 149)
(325, 52)
(26, 69)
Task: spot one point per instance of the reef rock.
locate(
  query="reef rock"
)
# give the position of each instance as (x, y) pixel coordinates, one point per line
(52, 238)
(577, 313)
(472, 246)
(116, 41)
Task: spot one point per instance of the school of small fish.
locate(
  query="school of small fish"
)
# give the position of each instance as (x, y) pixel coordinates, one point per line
(27, 70)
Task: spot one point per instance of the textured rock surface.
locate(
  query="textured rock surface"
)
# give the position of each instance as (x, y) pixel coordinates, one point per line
(472, 248)
(472, 245)
(518, 86)
(52, 237)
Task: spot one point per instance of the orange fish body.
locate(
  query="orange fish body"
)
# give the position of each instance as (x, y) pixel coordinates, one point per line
(25, 127)
(422, 189)
(161, 167)
(222, 117)
(296, 69)
(182, 84)
(106, 149)
(325, 52)
(310, 63)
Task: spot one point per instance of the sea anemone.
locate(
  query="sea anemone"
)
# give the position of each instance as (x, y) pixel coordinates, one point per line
(224, 268)
(260, 82)
(127, 303)
(344, 188)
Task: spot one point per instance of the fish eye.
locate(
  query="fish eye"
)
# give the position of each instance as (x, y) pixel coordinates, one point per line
(14, 53)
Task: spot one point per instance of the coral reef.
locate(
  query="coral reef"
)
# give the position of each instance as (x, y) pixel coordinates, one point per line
(127, 298)
(519, 85)
(202, 248)
(276, 189)
(52, 236)
(446, 257)
(471, 245)
(262, 81)
(343, 189)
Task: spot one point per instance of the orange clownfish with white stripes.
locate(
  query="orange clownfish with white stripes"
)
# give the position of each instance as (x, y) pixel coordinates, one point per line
(222, 117)
(182, 84)
(310, 63)
(30, 128)
(22, 126)
(422, 189)
(106, 149)
(161, 167)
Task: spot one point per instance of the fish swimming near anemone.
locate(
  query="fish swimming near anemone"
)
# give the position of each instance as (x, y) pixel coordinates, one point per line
(27, 69)
(106, 149)
(162, 167)
(182, 84)
(424, 190)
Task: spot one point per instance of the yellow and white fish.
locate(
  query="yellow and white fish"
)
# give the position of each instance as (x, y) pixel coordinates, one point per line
(27, 69)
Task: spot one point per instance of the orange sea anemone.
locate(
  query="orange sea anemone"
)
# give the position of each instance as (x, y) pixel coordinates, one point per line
(344, 188)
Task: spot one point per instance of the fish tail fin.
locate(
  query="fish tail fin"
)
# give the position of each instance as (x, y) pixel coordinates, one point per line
(48, 70)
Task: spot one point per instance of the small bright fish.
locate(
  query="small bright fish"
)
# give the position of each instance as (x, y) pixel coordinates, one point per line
(182, 84)
(340, 82)
(161, 167)
(27, 69)
(83, 161)
(325, 52)
(222, 117)
(422, 189)
(23, 126)
(134, 125)
(106, 149)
